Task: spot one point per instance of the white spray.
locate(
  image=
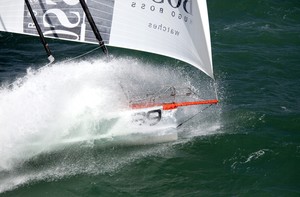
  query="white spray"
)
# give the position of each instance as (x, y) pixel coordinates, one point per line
(62, 102)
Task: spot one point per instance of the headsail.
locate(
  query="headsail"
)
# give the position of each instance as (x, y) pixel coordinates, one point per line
(174, 28)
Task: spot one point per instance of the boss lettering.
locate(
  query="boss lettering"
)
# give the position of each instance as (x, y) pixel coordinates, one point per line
(174, 6)
(185, 4)
(176, 9)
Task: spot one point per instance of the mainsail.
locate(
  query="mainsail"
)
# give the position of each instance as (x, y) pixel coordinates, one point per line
(174, 28)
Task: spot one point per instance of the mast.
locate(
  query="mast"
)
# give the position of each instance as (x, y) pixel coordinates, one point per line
(37, 26)
(93, 25)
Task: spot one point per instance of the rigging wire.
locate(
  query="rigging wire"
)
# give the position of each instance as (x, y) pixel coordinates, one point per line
(193, 116)
(190, 118)
(215, 88)
(82, 55)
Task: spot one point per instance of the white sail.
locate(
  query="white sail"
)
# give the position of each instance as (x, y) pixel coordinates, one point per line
(174, 28)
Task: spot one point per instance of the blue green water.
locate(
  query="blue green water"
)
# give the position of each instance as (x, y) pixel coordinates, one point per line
(248, 145)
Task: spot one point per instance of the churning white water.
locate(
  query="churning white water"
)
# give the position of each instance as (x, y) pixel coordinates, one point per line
(46, 109)
(66, 101)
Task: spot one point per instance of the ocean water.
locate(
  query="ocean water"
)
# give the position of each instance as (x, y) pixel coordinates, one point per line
(248, 145)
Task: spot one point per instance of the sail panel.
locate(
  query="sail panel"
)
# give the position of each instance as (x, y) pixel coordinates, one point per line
(174, 28)
(11, 16)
